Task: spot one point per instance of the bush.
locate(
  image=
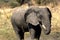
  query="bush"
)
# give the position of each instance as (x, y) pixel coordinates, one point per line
(45, 2)
(8, 3)
(14, 4)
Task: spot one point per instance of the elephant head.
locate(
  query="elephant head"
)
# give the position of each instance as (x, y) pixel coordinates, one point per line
(45, 16)
(41, 16)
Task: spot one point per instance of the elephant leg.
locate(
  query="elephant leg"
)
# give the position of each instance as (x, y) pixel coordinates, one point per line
(35, 34)
(37, 31)
(19, 32)
(32, 33)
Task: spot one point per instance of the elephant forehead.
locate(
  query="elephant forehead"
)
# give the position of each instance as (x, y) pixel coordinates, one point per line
(33, 19)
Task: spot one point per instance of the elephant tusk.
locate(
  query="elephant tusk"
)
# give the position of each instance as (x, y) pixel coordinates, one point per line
(44, 27)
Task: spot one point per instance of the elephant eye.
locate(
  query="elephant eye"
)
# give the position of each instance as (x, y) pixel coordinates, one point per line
(40, 16)
(40, 22)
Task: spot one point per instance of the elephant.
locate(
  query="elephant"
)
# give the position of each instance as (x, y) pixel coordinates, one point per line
(32, 20)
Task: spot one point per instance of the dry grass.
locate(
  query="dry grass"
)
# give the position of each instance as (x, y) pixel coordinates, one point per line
(6, 29)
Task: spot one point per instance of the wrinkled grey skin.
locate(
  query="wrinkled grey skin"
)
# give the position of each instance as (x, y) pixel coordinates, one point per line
(31, 20)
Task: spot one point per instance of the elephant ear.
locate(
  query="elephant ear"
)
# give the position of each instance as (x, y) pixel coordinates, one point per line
(32, 19)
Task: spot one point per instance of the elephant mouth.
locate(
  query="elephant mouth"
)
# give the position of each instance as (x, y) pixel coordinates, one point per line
(40, 25)
(31, 25)
(35, 27)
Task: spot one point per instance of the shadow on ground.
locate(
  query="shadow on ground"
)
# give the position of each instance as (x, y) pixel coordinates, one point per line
(51, 36)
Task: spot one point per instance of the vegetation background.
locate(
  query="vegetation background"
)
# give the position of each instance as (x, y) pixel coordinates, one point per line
(8, 6)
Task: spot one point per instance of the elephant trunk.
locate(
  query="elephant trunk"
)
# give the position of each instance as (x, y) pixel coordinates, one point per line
(46, 26)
